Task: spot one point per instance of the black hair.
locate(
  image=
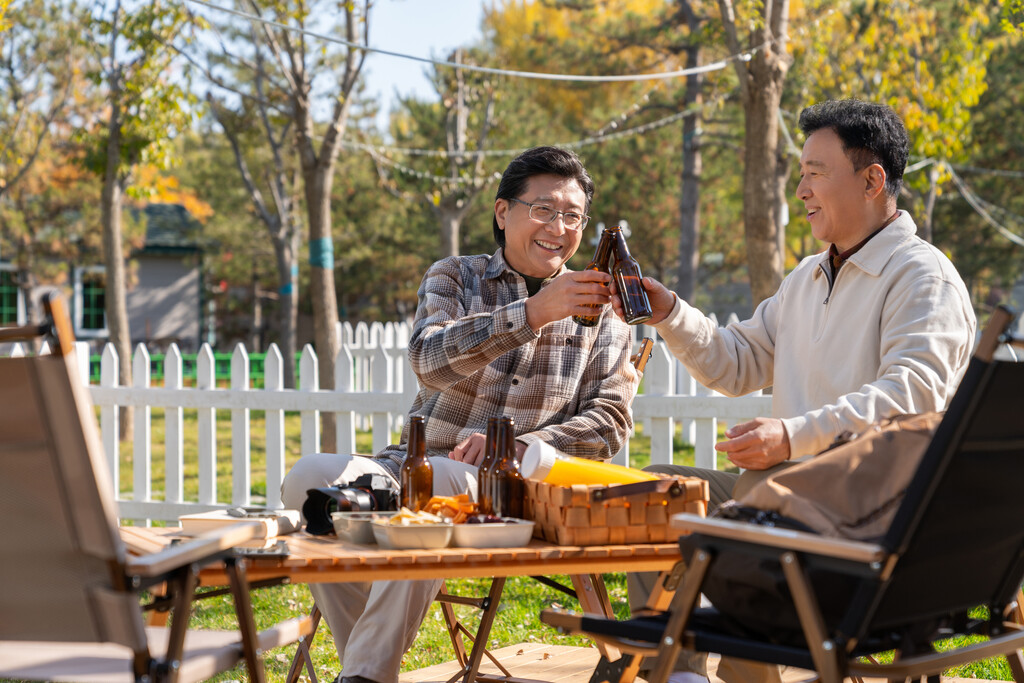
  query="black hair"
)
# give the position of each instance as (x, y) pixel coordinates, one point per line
(871, 134)
(540, 161)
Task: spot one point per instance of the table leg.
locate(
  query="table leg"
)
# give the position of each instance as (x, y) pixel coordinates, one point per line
(593, 598)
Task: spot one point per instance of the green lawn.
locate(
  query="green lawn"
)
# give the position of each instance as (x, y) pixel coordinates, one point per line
(517, 614)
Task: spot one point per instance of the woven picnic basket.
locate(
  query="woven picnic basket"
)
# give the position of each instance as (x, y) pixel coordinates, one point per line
(613, 515)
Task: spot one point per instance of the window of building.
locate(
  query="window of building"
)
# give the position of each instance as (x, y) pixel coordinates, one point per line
(8, 298)
(93, 301)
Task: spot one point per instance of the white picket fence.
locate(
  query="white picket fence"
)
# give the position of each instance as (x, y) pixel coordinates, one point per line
(375, 386)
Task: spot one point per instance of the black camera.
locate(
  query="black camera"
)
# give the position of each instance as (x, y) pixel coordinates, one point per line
(367, 493)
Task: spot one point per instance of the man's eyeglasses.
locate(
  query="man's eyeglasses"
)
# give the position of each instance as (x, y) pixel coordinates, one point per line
(545, 214)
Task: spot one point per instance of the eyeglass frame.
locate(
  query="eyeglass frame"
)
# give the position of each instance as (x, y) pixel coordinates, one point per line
(584, 218)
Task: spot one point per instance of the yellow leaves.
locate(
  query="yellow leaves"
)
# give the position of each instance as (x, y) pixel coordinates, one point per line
(154, 186)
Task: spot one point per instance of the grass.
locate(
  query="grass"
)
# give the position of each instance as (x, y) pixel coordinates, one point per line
(521, 602)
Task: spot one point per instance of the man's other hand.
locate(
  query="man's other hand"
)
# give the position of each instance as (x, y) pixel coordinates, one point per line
(470, 451)
(662, 299)
(756, 445)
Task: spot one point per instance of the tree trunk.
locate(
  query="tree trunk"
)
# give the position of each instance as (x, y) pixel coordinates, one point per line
(761, 197)
(451, 222)
(689, 196)
(761, 78)
(924, 228)
(317, 183)
(288, 297)
(113, 259)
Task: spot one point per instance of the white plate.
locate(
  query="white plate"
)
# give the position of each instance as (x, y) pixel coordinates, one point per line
(512, 534)
(413, 536)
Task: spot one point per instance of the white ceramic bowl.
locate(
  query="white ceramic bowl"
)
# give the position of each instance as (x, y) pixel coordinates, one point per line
(354, 527)
(511, 534)
(413, 536)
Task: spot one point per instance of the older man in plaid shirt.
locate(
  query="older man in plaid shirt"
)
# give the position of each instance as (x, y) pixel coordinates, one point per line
(493, 336)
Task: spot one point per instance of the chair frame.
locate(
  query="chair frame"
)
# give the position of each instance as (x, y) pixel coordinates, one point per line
(844, 651)
(172, 574)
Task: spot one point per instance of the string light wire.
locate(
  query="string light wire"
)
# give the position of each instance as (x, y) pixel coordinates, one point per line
(703, 68)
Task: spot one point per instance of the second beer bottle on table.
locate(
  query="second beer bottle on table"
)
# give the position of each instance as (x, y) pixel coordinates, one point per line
(602, 255)
(629, 281)
(417, 474)
(508, 489)
(485, 471)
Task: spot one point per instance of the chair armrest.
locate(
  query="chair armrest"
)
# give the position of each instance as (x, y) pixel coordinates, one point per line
(786, 539)
(201, 549)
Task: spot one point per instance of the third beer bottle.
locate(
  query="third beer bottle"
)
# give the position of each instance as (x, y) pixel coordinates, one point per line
(508, 486)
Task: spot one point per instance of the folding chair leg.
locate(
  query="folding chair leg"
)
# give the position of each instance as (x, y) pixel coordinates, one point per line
(593, 598)
(682, 605)
(1016, 662)
(302, 656)
(622, 670)
(823, 651)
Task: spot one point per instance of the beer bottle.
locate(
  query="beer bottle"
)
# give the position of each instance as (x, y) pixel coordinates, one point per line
(629, 281)
(417, 474)
(508, 485)
(600, 263)
(485, 471)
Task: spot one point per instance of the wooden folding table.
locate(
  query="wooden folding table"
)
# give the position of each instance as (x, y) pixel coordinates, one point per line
(325, 559)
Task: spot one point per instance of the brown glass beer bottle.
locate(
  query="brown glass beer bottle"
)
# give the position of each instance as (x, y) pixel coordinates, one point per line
(508, 485)
(636, 307)
(485, 471)
(600, 263)
(417, 474)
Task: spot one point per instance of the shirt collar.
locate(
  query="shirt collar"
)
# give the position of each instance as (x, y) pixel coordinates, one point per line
(872, 256)
(498, 265)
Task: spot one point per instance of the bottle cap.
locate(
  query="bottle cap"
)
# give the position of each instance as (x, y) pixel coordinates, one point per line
(538, 459)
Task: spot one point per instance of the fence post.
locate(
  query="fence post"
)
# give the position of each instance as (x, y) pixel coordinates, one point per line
(344, 369)
(82, 360)
(241, 463)
(660, 382)
(382, 381)
(206, 380)
(174, 439)
(142, 448)
(109, 415)
(273, 380)
(309, 381)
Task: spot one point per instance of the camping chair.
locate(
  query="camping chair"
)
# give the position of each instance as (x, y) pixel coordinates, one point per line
(956, 543)
(69, 596)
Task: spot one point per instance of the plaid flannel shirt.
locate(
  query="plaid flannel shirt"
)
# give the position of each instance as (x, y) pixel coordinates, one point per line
(476, 357)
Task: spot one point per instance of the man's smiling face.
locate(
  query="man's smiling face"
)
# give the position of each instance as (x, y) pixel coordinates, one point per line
(539, 249)
(834, 194)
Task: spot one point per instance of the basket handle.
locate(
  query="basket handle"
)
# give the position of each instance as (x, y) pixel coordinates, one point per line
(668, 485)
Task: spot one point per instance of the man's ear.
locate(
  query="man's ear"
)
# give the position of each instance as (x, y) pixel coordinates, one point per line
(874, 180)
(500, 209)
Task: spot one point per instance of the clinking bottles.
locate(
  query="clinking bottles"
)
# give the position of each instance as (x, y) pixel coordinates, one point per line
(629, 281)
(508, 489)
(600, 263)
(485, 471)
(417, 474)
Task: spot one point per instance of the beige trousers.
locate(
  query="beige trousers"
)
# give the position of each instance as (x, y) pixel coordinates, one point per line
(373, 624)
